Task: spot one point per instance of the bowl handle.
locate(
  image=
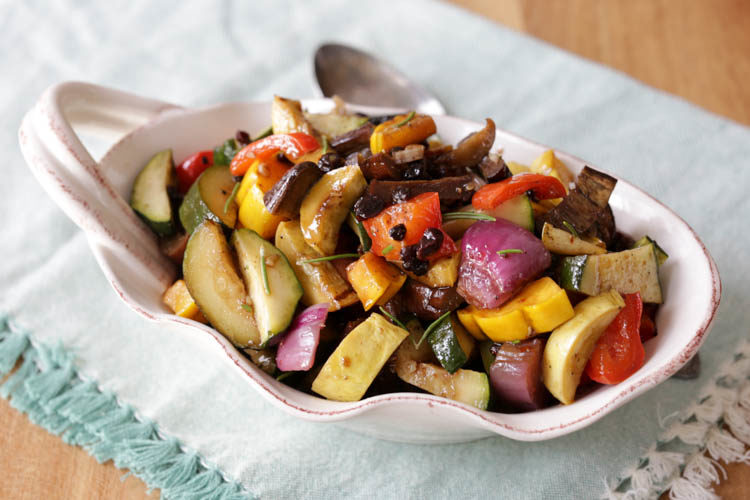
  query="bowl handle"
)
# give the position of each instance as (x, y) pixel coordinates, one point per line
(71, 176)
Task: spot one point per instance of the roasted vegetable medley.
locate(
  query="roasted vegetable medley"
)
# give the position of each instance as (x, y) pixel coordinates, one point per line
(352, 256)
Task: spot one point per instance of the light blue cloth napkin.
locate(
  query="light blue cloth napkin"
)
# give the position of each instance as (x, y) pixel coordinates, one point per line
(198, 53)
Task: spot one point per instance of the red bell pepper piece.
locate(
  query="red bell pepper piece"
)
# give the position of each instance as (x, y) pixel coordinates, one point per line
(192, 168)
(418, 214)
(292, 145)
(543, 186)
(619, 351)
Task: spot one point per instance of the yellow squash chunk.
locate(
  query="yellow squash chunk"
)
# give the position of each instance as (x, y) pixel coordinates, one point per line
(287, 117)
(539, 307)
(259, 178)
(327, 206)
(442, 272)
(178, 298)
(395, 132)
(517, 168)
(569, 347)
(264, 174)
(254, 215)
(466, 317)
(320, 280)
(357, 360)
(562, 242)
(374, 279)
(548, 163)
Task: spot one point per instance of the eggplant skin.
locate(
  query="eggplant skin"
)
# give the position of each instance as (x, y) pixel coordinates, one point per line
(516, 375)
(429, 303)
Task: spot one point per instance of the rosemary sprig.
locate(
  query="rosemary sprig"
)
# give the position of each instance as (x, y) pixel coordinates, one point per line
(331, 257)
(387, 249)
(246, 308)
(284, 375)
(264, 271)
(393, 318)
(570, 228)
(508, 251)
(433, 326)
(364, 238)
(467, 215)
(325, 144)
(231, 197)
(406, 120)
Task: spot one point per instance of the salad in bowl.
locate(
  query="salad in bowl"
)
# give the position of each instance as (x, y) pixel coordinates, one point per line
(352, 255)
(414, 278)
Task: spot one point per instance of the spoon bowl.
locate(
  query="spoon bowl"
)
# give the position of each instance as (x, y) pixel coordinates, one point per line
(359, 78)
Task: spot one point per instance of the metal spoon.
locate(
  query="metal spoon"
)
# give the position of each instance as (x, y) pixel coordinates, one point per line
(360, 78)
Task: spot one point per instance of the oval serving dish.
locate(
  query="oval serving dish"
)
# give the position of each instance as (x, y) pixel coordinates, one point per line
(94, 195)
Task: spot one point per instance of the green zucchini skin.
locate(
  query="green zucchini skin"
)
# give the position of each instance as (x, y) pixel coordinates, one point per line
(571, 272)
(274, 311)
(661, 255)
(149, 197)
(207, 198)
(446, 346)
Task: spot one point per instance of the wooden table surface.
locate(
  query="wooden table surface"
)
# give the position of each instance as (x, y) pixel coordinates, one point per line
(697, 49)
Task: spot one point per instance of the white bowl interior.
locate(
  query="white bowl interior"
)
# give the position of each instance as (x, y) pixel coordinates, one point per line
(688, 278)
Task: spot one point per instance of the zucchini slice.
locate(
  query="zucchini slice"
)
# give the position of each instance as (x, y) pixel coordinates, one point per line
(413, 365)
(333, 125)
(216, 287)
(517, 210)
(564, 243)
(274, 308)
(150, 198)
(452, 345)
(661, 255)
(628, 271)
(320, 281)
(207, 198)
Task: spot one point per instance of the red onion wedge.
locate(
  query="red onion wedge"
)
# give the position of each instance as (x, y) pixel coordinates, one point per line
(516, 374)
(297, 348)
(487, 279)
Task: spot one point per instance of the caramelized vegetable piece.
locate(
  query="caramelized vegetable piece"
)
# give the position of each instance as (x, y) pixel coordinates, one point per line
(516, 374)
(285, 197)
(401, 131)
(564, 243)
(380, 166)
(418, 214)
(569, 347)
(442, 272)
(452, 190)
(178, 298)
(357, 360)
(212, 279)
(548, 163)
(494, 169)
(320, 280)
(261, 177)
(539, 307)
(355, 140)
(486, 278)
(287, 117)
(327, 206)
(374, 279)
(429, 303)
(471, 149)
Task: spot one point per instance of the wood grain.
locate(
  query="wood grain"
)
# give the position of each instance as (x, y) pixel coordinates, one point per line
(697, 49)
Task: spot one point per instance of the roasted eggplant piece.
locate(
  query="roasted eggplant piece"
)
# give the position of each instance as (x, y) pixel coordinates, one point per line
(470, 151)
(516, 374)
(353, 140)
(286, 196)
(586, 208)
(494, 169)
(452, 190)
(380, 166)
(429, 303)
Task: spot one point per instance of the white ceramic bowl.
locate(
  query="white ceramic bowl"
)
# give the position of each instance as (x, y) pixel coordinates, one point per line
(94, 195)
